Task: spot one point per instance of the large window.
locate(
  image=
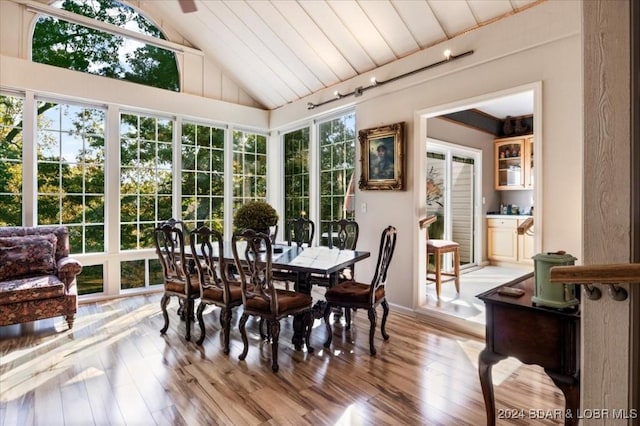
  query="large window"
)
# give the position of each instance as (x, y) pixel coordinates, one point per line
(335, 145)
(160, 172)
(337, 163)
(146, 175)
(146, 159)
(202, 176)
(76, 47)
(70, 146)
(10, 160)
(296, 174)
(249, 167)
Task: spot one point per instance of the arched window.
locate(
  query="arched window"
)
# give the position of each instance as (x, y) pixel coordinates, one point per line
(77, 47)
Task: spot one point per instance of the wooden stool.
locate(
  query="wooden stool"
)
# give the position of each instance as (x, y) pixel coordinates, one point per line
(438, 248)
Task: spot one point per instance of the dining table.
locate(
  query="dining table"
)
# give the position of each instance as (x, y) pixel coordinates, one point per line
(304, 261)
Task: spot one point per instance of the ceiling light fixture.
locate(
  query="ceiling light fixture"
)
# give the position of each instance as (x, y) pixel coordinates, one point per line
(448, 57)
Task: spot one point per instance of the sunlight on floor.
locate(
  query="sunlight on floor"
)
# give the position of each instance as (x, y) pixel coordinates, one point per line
(466, 305)
(27, 376)
(501, 370)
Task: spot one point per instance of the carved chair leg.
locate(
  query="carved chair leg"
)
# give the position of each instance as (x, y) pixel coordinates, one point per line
(243, 334)
(438, 273)
(385, 308)
(347, 318)
(327, 314)
(188, 318)
(225, 319)
(275, 335)
(308, 324)
(372, 329)
(201, 307)
(181, 309)
(163, 305)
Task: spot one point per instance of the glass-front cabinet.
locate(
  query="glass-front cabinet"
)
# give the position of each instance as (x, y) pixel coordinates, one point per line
(513, 163)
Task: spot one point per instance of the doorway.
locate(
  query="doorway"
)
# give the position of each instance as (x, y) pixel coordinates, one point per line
(464, 311)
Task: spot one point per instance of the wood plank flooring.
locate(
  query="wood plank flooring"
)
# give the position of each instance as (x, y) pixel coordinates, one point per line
(114, 368)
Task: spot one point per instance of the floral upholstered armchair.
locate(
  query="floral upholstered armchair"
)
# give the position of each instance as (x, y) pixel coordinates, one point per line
(37, 276)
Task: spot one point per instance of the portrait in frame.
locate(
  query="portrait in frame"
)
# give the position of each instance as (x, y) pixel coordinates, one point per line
(382, 157)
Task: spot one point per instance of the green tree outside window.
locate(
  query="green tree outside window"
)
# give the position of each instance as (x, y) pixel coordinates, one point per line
(72, 46)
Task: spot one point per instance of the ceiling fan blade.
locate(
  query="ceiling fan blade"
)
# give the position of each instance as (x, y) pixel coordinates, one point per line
(187, 6)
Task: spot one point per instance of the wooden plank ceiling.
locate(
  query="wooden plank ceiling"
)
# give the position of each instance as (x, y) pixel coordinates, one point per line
(279, 51)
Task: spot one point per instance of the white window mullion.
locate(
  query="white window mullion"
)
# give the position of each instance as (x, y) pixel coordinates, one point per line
(228, 183)
(448, 223)
(314, 176)
(112, 200)
(176, 184)
(29, 161)
(275, 175)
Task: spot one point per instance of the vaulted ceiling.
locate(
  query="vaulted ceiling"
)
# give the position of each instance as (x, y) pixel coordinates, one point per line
(279, 51)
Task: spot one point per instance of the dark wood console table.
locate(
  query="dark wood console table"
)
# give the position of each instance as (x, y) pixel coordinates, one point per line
(534, 335)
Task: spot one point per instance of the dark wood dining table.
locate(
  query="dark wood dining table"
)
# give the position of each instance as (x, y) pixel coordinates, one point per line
(306, 261)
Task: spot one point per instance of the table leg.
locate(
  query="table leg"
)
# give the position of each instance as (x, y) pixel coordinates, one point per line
(570, 387)
(486, 360)
(302, 285)
(298, 331)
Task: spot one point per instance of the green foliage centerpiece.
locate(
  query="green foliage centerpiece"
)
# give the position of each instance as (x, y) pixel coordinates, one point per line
(256, 215)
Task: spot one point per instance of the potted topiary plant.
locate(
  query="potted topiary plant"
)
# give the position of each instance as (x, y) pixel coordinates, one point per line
(256, 215)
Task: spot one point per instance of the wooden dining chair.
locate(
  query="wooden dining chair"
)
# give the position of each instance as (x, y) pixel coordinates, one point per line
(356, 295)
(437, 249)
(216, 287)
(180, 224)
(260, 298)
(178, 280)
(299, 231)
(343, 235)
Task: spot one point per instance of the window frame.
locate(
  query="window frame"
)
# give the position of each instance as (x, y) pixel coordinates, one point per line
(61, 162)
(47, 11)
(19, 160)
(315, 213)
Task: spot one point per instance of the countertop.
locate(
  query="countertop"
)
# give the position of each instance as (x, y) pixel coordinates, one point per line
(508, 216)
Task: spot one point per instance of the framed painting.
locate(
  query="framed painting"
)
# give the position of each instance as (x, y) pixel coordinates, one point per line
(382, 157)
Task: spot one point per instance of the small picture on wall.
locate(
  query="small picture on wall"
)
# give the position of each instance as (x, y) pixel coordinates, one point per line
(382, 157)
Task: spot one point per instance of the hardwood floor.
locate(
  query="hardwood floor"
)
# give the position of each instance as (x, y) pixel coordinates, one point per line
(115, 368)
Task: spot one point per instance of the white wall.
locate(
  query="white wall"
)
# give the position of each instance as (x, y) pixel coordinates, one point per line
(540, 44)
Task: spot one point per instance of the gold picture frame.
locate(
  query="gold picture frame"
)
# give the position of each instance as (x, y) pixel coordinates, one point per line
(382, 157)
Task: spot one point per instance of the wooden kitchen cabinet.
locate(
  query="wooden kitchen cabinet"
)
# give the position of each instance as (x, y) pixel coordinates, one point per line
(526, 242)
(505, 245)
(513, 163)
(502, 240)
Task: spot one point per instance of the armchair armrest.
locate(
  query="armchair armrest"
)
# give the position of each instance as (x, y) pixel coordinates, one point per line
(68, 269)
